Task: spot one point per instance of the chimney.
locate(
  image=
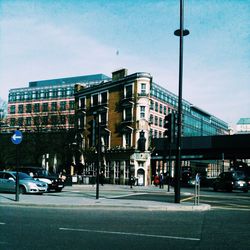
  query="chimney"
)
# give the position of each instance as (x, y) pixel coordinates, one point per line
(119, 74)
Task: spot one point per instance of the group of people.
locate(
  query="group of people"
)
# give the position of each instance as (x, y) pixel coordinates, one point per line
(159, 180)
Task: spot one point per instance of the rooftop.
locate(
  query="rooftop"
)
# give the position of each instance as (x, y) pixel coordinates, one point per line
(243, 121)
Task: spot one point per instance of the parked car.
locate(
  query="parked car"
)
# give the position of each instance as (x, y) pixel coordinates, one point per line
(231, 181)
(26, 183)
(55, 183)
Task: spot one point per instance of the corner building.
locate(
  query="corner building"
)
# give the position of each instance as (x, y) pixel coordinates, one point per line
(127, 112)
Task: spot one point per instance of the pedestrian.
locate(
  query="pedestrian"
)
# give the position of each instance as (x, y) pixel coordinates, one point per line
(161, 181)
(102, 178)
(156, 180)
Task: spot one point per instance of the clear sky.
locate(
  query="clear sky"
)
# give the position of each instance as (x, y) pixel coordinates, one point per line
(45, 39)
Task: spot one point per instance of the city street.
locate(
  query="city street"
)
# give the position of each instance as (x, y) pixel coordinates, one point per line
(53, 228)
(236, 200)
(225, 226)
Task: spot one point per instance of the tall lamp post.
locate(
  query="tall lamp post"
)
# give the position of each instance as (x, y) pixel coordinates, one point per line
(180, 32)
(98, 128)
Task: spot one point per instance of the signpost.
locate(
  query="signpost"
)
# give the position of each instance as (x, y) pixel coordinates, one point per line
(16, 139)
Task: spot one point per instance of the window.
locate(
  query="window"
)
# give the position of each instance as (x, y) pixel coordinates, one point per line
(28, 108)
(127, 168)
(103, 118)
(54, 106)
(143, 88)
(156, 120)
(161, 108)
(71, 119)
(104, 97)
(128, 114)
(80, 122)
(20, 121)
(82, 103)
(165, 110)
(117, 169)
(107, 170)
(127, 139)
(54, 119)
(12, 122)
(36, 120)
(20, 109)
(128, 92)
(156, 106)
(28, 121)
(94, 99)
(71, 105)
(155, 133)
(44, 120)
(13, 109)
(62, 119)
(151, 119)
(37, 107)
(45, 107)
(142, 111)
(160, 122)
(151, 105)
(63, 106)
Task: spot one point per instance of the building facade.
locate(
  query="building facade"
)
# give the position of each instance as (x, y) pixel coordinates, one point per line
(46, 105)
(243, 126)
(125, 113)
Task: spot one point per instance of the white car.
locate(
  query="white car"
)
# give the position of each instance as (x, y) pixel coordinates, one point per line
(26, 183)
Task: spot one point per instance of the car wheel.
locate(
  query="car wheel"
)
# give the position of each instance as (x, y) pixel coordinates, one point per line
(22, 190)
(58, 189)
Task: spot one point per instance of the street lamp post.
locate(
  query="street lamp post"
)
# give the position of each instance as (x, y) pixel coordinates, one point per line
(180, 32)
(98, 127)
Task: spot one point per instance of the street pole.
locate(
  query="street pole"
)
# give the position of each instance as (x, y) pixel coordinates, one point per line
(179, 33)
(17, 174)
(98, 157)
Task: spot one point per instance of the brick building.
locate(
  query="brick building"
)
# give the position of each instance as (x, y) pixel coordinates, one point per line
(127, 112)
(46, 105)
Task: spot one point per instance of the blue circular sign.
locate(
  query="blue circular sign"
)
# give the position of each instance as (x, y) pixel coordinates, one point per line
(17, 137)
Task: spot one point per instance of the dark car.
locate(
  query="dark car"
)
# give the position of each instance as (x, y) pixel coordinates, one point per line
(231, 181)
(55, 183)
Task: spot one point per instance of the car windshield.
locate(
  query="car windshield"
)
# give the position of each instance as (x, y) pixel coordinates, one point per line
(23, 176)
(239, 175)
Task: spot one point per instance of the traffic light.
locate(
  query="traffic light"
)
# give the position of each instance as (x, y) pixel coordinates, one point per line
(169, 125)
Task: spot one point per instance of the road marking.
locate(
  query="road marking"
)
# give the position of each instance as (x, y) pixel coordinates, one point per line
(124, 233)
(188, 198)
(2, 223)
(230, 208)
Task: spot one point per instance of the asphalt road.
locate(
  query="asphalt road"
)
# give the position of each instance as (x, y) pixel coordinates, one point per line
(236, 200)
(37, 228)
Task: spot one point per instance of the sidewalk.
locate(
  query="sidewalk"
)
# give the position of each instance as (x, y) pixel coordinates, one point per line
(107, 199)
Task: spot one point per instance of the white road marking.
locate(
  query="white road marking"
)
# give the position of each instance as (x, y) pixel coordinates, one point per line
(133, 234)
(2, 223)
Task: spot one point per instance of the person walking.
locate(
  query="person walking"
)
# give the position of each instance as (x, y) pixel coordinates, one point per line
(161, 181)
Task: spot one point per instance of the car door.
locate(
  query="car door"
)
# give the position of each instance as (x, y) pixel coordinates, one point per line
(9, 183)
(1, 181)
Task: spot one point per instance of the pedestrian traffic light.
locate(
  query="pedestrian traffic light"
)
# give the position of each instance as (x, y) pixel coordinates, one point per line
(169, 125)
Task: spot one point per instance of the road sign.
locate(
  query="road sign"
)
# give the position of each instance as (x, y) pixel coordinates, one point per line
(17, 137)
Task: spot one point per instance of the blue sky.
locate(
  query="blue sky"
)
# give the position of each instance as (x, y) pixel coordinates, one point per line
(44, 39)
